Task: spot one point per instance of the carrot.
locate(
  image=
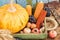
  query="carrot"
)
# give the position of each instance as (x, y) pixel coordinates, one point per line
(29, 9)
(41, 18)
(38, 10)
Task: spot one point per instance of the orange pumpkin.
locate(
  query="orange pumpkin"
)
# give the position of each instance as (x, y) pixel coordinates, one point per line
(14, 19)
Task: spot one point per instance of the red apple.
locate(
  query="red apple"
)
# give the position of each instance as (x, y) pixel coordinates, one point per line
(52, 34)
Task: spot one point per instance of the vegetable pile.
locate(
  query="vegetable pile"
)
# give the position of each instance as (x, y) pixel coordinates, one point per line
(16, 19)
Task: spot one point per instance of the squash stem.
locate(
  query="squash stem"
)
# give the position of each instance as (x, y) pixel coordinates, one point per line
(12, 8)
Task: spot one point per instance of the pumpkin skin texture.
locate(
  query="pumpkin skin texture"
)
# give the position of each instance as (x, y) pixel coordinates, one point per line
(13, 21)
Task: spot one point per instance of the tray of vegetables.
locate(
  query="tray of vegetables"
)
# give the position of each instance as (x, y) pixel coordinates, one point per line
(24, 24)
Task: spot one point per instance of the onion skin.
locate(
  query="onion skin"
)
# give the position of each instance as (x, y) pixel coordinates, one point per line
(27, 30)
(36, 31)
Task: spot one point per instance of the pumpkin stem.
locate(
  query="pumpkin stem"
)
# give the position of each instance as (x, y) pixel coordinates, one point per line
(12, 8)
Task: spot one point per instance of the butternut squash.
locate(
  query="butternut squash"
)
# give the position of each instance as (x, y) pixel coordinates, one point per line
(38, 10)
